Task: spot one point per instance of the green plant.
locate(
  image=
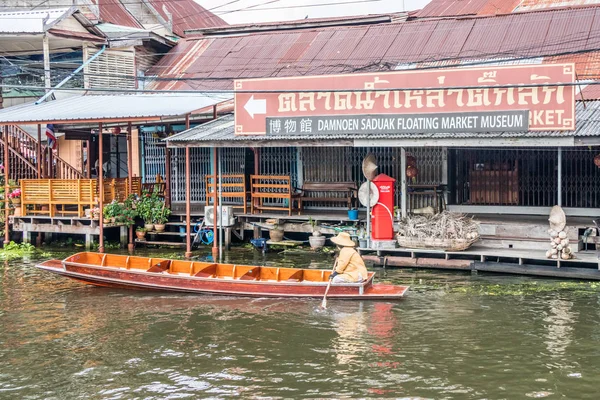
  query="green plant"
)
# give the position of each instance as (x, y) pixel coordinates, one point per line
(147, 206)
(140, 229)
(112, 210)
(162, 215)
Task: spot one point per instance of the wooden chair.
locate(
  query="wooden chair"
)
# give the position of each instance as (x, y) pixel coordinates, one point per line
(272, 187)
(232, 187)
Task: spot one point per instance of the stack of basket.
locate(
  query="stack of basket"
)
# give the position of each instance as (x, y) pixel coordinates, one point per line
(558, 236)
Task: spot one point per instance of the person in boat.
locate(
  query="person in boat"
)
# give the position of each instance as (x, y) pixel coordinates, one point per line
(350, 265)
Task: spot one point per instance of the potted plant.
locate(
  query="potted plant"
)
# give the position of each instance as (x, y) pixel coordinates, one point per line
(15, 197)
(161, 218)
(316, 240)
(145, 206)
(129, 212)
(275, 232)
(140, 232)
(112, 211)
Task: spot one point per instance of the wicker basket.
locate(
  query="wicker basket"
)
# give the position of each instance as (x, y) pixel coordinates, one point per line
(436, 244)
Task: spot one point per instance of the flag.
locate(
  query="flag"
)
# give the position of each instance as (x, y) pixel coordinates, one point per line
(50, 136)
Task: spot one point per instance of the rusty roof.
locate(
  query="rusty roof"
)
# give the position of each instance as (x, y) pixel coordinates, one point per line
(221, 131)
(187, 14)
(114, 12)
(449, 8)
(212, 63)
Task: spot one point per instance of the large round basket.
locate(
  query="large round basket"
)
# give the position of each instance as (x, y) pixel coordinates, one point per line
(436, 244)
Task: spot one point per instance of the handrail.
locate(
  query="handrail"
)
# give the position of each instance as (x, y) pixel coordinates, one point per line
(27, 146)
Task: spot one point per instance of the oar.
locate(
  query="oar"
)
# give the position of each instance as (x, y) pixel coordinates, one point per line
(324, 302)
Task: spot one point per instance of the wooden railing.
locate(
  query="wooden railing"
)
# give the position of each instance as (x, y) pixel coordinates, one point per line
(272, 188)
(118, 188)
(24, 148)
(62, 196)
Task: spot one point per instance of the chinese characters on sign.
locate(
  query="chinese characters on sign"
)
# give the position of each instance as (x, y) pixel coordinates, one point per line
(363, 103)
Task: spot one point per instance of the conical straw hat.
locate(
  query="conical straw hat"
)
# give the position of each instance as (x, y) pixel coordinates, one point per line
(557, 219)
(343, 239)
(369, 167)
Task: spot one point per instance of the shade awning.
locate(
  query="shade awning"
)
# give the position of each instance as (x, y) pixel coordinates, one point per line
(110, 108)
(221, 133)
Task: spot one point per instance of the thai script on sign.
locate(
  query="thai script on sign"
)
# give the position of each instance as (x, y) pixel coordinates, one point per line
(420, 99)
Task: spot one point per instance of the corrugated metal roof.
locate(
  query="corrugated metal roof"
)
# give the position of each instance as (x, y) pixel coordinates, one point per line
(187, 14)
(447, 8)
(528, 5)
(222, 129)
(114, 12)
(384, 47)
(31, 21)
(109, 107)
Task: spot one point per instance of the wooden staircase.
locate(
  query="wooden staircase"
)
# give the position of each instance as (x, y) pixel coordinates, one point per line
(24, 162)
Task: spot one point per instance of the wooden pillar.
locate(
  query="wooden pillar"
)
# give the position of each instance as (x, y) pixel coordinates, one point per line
(38, 154)
(130, 245)
(403, 184)
(168, 177)
(89, 159)
(559, 177)
(46, 55)
(101, 189)
(6, 186)
(188, 205)
(215, 248)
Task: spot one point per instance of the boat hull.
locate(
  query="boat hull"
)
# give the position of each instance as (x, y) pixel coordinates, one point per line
(128, 279)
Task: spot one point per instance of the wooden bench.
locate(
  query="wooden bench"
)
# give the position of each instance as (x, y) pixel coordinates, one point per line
(325, 192)
(55, 193)
(232, 187)
(272, 187)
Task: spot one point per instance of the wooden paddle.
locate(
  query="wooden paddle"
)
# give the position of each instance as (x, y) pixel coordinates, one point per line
(324, 302)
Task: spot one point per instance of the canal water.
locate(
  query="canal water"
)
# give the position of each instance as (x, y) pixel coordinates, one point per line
(454, 336)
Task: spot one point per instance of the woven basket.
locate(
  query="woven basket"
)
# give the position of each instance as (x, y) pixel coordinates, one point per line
(436, 244)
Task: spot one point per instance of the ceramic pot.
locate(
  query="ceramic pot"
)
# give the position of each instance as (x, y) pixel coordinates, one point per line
(140, 235)
(17, 211)
(15, 201)
(149, 227)
(316, 242)
(159, 227)
(276, 235)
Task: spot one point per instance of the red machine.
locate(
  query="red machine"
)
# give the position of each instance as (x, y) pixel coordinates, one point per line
(382, 213)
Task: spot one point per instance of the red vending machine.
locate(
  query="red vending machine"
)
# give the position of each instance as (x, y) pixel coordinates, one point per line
(382, 213)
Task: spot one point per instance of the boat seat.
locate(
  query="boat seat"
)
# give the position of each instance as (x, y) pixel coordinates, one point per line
(160, 267)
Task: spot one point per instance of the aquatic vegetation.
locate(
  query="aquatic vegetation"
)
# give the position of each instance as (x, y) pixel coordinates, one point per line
(15, 250)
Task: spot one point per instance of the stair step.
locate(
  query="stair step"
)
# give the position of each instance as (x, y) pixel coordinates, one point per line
(158, 243)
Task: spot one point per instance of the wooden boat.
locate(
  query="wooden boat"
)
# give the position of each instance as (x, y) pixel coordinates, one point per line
(121, 271)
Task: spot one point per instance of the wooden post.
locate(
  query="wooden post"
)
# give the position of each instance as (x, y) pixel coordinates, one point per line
(101, 189)
(215, 248)
(38, 154)
(89, 159)
(559, 177)
(6, 186)
(403, 184)
(130, 245)
(188, 205)
(168, 177)
(188, 196)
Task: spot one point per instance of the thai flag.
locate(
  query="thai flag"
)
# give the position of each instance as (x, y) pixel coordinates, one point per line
(50, 136)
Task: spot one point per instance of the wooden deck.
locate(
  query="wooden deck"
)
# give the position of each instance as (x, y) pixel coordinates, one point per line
(586, 265)
(87, 227)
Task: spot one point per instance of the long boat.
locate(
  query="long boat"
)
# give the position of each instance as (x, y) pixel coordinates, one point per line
(131, 272)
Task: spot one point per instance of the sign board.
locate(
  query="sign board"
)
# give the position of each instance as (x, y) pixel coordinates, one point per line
(477, 99)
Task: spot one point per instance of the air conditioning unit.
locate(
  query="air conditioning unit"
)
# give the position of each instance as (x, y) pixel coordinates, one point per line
(226, 216)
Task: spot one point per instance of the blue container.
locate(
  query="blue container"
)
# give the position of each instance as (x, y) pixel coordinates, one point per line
(353, 214)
